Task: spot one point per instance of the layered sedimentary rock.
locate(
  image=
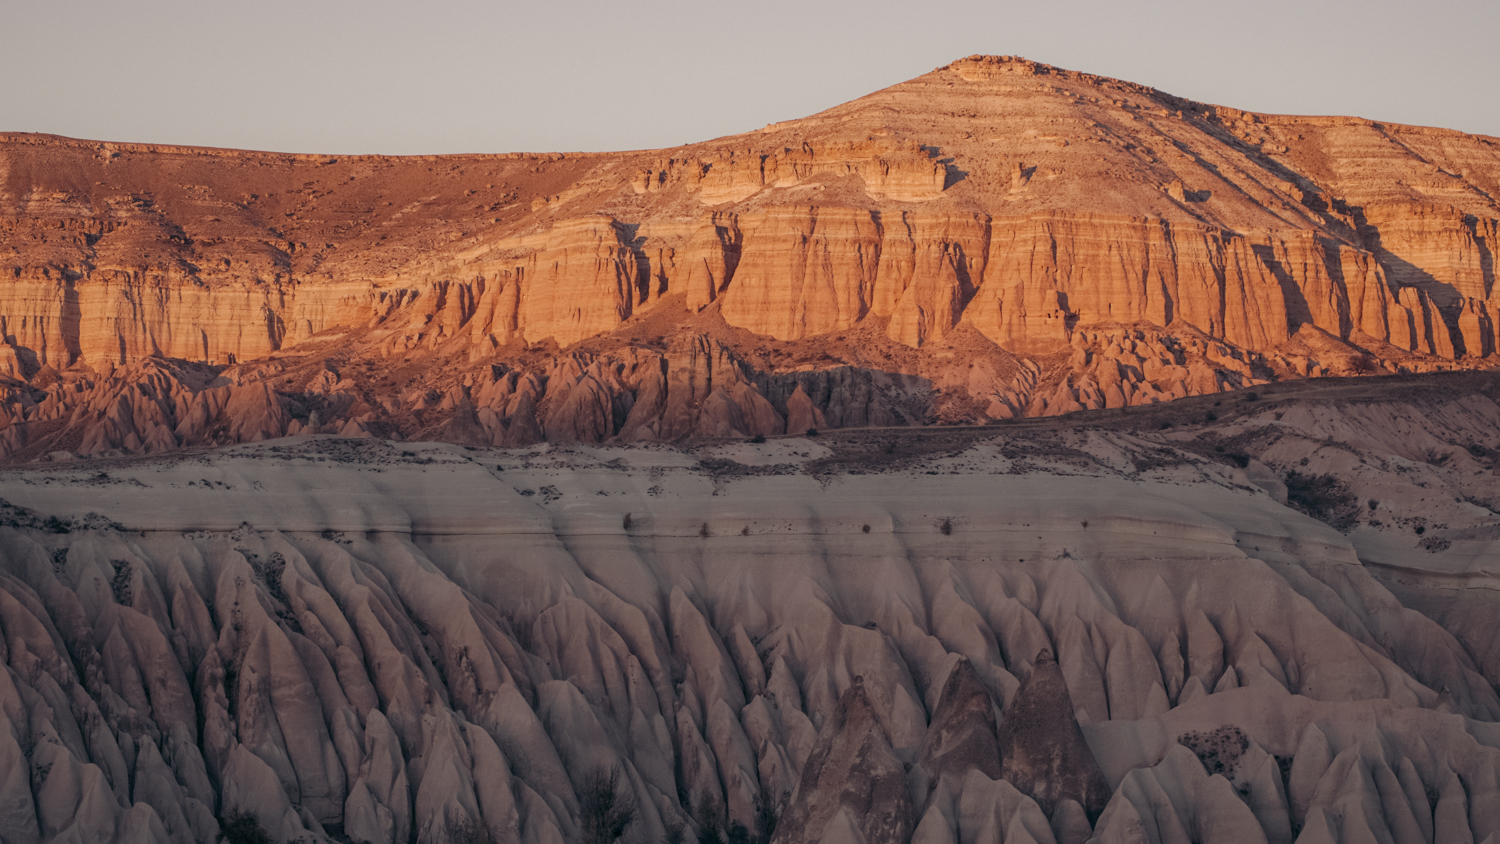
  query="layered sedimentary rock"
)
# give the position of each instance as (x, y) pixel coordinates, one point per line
(995, 212)
(1241, 629)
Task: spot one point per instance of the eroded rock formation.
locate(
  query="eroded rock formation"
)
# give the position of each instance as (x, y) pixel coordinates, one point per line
(1082, 242)
(1043, 751)
(1256, 631)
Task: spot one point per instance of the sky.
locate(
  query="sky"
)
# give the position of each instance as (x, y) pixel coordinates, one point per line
(449, 76)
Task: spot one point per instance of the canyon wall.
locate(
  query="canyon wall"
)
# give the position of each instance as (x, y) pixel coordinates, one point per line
(996, 216)
(794, 272)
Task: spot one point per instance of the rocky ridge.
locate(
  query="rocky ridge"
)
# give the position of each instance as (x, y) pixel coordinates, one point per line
(997, 238)
(1268, 622)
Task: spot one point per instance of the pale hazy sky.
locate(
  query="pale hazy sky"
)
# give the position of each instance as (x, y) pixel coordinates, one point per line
(338, 76)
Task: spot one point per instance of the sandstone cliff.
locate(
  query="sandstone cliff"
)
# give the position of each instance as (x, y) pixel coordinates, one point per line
(1083, 242)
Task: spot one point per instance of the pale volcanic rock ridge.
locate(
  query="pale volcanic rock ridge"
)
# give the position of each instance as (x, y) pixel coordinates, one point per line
(996, 238)
(1271, 625)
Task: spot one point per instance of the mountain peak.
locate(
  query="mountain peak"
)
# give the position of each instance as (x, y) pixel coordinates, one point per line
(980, 66)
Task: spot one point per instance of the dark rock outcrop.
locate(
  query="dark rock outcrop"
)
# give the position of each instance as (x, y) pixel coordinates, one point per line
(1043, 752)
(852, 782)
(962, 736)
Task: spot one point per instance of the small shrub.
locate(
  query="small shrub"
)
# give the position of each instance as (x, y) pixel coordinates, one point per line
(865, 529)
(1085, 524)
(1323, 497)
(812, 432)
(709, 813)
(1420, 529)
(460, 828)
(1435, 544)
(243, 828)
(270, 573)
(1211, 417)
(768, 811)
(627, 521)
(604, 810)
(946, 527)
(1373, 503)
(1252, 397)
(1240, 460)
(703, 530)
(1219, 750)
(758, 439)
(120, 584)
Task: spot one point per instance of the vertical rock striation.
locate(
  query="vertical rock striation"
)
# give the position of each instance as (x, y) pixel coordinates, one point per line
(1083, 242)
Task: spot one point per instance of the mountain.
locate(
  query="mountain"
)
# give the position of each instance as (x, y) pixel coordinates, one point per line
(996, 238)
(1265, 616)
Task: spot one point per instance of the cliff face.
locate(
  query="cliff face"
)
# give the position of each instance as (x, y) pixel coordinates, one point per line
(1242, 630)
(995, 211)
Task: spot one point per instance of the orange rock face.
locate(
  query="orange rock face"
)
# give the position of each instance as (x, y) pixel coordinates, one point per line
(995, 238)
